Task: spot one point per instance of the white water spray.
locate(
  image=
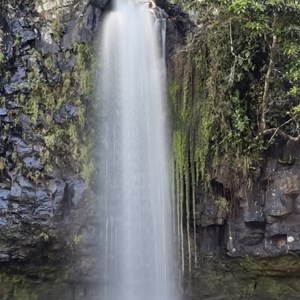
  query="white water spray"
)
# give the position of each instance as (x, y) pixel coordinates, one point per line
(134, 179)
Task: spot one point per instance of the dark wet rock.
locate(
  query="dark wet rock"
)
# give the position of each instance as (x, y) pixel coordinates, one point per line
(4, 201)
(27, 35)
(45, 42)
(8, 43)
(209, 239)
(266, 219)
(8, 119)
(3, 112)
(5, 183)
(58, 195)
(66, 112)
(13, 88)
(75, 191)
(25, 122)
(16, 191)
(15, 26)
(252, 236)
(33, 163)
(254, 217)
(297, 204)
(19, 75)
(4, 257)
(25, 183)
(47, 223)
(21, 29)
(9, 89)
(13, 105)
(21, 147)
(3, 209)
(99, 3)
(44, 209)
(88, 24)
(4, 194)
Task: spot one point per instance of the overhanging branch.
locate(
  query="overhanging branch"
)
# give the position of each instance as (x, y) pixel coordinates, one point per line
(278, 131)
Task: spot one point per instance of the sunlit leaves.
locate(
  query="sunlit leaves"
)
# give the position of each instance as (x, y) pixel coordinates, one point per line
(296, 109)
(249, 28)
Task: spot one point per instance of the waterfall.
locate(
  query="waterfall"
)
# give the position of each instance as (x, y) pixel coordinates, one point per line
(134, 150)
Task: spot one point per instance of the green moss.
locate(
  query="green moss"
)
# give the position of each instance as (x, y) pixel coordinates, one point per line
(71, 141)
(23, 294)
(2, 58)
(210, 123)
(207, 110)
(273, 266)
(246, 289)
(2, 164)
(15, 287)
(278, 289)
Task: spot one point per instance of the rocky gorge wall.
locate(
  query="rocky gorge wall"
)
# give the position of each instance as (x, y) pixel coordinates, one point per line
(263, 220)
(48, 222)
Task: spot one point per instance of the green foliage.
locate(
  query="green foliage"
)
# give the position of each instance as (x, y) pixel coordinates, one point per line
(2, 58)
(15, 287)
(224, 80)
(238, 76)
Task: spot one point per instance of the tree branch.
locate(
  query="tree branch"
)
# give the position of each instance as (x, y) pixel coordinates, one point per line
(278, 131)
(232, 70)
(265, 98)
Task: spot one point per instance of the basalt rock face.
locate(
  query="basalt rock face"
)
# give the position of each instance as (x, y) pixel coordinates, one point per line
(47, 212)
(264, 217)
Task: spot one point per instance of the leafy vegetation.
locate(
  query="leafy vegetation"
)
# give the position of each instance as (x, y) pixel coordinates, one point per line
(237, 92)
(263, 39)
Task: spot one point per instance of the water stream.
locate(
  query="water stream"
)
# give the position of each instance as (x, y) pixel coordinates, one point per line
(134, 179)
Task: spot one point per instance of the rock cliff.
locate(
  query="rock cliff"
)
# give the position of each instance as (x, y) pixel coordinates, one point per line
(47, 210)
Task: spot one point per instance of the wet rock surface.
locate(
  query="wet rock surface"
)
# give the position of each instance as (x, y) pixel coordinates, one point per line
(265, 219)
(47, 217)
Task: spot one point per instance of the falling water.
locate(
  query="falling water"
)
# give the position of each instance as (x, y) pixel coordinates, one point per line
(134, 160)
